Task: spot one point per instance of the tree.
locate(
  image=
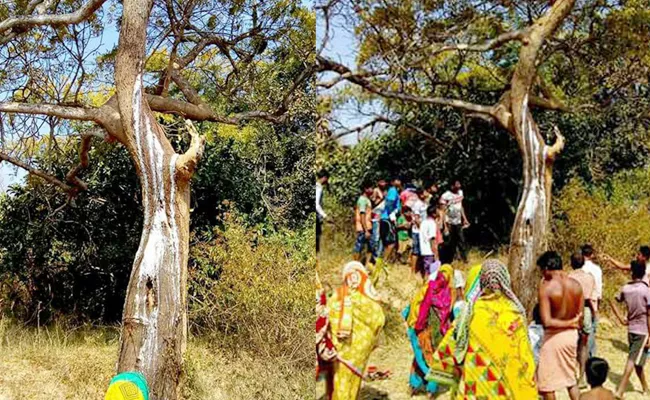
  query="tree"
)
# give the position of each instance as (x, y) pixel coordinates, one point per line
(513, 56)
(170, 57)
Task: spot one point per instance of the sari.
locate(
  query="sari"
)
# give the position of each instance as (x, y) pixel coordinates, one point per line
(487, 354)
(427, 317)
(356, 319)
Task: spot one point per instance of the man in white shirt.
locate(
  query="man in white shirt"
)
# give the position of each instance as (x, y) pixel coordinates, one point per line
(428, 245)
(419, 208)
(321, 181)
(595, 271)
(455, 220)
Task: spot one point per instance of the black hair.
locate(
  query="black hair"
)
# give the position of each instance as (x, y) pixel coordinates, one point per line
(537, 316)
(577, 260)
(453, 181)
(446, 256)
(638, 269)
(587, 250)
(367, 185)
(406, 209)
(431, 211)
(419, 191)
(322, 173)
(645, 252)
(596, 370)
(550, 261)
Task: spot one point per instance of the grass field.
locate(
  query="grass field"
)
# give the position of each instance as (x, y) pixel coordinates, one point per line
(55, 363)
(394, 351)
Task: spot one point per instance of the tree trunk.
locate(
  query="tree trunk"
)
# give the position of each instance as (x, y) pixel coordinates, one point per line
(529, 232)
(154, 329)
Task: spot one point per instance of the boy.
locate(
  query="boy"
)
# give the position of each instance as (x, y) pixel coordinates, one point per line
(404, 222)
(428, 245)
(636, 296)
(536, 333)
(363, 223)
(597, 370)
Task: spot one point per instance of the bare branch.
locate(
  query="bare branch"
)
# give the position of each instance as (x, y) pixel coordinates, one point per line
(557, 147)
(36, 172)
(187, 162)
(485, 46)
(84, 148)
(325, 64)
(105, 116)
(24, 22)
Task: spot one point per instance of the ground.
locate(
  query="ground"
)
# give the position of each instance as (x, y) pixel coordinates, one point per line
(394, 351)
(56, 363)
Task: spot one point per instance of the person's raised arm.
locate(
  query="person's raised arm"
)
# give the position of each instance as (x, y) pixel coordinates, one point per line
(616, 263)
(547, 318)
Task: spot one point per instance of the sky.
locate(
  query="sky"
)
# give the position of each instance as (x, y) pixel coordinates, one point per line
(343, 47)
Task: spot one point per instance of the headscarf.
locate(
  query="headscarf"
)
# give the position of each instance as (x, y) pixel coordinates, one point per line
(441, 295)
(494, 278)
(355, 279)
(128, 386)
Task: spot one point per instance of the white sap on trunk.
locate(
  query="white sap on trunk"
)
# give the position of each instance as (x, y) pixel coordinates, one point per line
(160, 239)
(534, 195)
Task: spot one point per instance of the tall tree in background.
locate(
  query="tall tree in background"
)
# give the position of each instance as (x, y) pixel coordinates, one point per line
(171, 56)
(514, 56)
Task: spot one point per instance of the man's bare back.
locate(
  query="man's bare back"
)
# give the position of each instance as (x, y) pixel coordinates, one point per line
(561, 298)
(599, 393)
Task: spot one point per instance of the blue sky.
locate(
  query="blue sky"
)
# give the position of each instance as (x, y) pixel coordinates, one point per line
(343, 47)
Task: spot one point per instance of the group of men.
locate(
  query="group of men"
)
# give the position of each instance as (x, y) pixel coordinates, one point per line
(391, 220)
(567, 313)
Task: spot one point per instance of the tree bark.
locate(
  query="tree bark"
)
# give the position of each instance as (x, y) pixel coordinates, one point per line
(528, 238)
(154, 331)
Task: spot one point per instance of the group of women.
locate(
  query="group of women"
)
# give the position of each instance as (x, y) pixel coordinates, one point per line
(478, 348)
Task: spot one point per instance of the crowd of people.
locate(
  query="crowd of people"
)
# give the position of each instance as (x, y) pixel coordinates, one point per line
(469, 332)
(411, 223)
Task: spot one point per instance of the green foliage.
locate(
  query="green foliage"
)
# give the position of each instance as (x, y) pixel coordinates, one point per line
(76, 261)
(612, 216)
(253, 290)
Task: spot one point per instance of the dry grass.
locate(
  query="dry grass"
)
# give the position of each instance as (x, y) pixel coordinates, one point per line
(55, 363)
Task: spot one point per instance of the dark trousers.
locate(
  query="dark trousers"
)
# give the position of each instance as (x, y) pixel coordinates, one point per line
(457, 242)
(319, 232)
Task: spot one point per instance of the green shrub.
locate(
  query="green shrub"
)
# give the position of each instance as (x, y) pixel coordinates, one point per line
(612, 216)
(254, 291)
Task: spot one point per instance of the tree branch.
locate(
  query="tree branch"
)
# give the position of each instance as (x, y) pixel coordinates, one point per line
(485, 46)
(105, 116)
(24, 22)
(84, 147)
(557, 147)
(187, 162)
(36, 172)
(325, 64)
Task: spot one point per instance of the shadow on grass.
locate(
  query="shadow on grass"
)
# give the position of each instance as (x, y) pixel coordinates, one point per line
(370, 393)
(620, 345)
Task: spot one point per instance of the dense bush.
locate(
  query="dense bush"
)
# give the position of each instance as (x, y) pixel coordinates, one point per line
(254, 290)
(612, 216)
(76, 260)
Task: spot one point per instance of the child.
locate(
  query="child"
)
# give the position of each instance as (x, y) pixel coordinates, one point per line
(404, 222)
(636, 296)
(536, 333)
(597, 369)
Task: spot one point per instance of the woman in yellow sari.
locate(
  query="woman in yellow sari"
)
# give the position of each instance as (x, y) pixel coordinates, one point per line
(356, 318)
(486, 354)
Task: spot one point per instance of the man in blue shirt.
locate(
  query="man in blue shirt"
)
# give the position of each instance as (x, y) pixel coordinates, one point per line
(392, 207)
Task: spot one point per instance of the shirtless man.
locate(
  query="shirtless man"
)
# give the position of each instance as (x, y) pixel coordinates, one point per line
(560, 304)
